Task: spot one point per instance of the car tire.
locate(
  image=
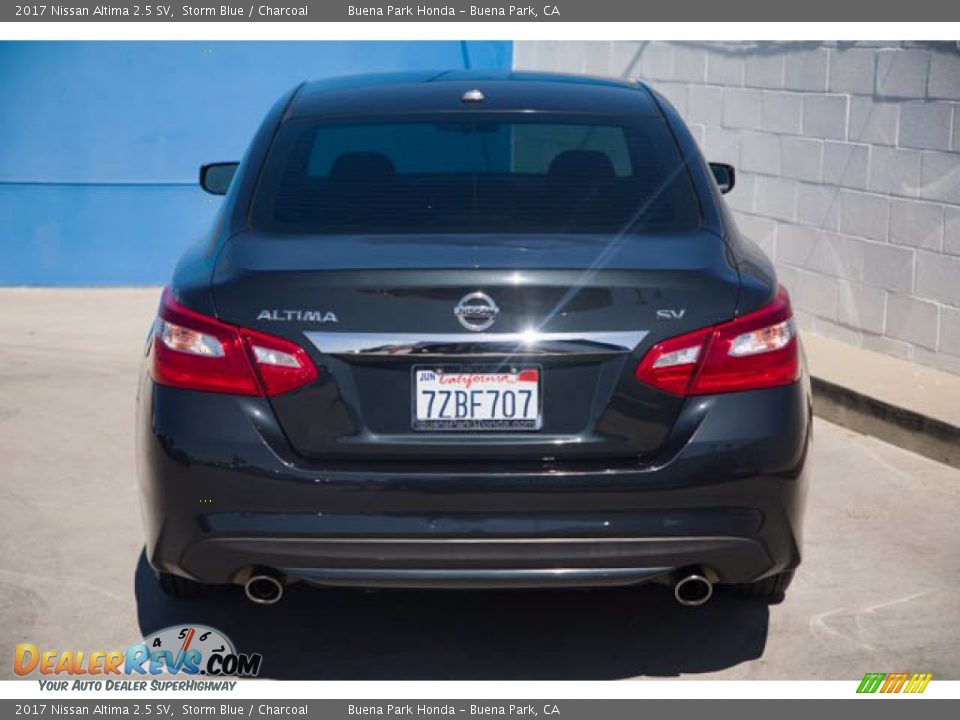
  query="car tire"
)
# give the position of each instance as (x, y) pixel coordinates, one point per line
(178, 587)
(772, 587)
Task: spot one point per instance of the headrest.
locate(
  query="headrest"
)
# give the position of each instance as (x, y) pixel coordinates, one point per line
(361, 165)
(581, 164)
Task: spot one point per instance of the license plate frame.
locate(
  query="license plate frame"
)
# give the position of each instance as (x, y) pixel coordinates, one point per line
(470, 425)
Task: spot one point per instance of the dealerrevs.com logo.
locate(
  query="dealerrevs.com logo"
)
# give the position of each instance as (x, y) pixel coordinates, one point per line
(184, 649)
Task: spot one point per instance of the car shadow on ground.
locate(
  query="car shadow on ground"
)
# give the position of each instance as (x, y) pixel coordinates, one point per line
(333, 634)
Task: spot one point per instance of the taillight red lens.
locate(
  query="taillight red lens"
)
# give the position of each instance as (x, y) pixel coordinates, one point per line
(193, 351)
(758, 350)
(282, 365)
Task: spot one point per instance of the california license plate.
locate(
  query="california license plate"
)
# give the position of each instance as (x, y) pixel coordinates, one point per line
(481, 400)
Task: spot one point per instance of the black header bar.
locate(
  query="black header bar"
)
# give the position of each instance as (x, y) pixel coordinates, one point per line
(578, 11)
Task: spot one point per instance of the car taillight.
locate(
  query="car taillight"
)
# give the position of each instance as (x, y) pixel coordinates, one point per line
(197, 352)
(757, 350)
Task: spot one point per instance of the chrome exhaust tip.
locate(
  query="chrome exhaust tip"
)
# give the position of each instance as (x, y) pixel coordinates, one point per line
(693, 590)
(263, 589)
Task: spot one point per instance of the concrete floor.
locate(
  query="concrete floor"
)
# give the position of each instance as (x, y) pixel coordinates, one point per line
(878, 590)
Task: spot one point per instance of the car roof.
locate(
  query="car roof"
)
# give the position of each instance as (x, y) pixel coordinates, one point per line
(442, 91)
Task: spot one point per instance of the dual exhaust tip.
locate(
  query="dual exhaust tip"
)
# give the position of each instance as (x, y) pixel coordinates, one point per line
(690, 589)
(693, 589)
(264, 589)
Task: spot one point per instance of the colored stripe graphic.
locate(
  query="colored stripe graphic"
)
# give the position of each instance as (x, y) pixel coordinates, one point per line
(918, 683)
(894, 682)
(871, 682)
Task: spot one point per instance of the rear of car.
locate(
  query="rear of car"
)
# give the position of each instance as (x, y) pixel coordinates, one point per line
(474, 331)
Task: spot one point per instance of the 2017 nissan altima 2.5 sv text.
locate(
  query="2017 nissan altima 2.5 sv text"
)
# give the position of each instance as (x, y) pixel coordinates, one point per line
(473, 330)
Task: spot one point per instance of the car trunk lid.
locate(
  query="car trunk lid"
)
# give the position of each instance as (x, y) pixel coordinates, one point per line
(371, 309)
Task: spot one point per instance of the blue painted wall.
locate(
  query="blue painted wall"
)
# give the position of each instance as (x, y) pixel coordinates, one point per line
(100, 142)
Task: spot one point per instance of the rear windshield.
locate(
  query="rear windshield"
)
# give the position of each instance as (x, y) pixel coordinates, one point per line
(475, 176)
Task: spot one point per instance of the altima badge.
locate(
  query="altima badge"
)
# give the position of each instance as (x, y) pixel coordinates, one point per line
(476, 311)
(318, 316)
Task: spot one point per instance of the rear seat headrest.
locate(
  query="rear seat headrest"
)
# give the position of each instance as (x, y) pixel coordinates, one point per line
(361, 165)
(587, 164)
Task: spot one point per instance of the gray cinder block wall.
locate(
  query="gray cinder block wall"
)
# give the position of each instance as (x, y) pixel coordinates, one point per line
(849, 170)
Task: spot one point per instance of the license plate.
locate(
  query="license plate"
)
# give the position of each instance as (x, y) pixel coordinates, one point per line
(476, 400)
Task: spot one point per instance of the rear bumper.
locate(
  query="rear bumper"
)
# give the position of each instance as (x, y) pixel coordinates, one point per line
(223, 493)
(463, 563)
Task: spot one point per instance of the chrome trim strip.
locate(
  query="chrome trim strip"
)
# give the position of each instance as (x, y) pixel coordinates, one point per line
(476, 344)
(476, 577)
(508, 540)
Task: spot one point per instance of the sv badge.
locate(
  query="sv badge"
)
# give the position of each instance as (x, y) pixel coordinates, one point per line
(670, 314)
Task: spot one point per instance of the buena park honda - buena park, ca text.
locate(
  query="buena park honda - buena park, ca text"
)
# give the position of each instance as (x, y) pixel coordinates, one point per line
(228, 709)
(525, 11)
(268, 11)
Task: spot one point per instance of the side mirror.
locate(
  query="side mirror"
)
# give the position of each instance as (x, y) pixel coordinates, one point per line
(215, 177)
(725, 175)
